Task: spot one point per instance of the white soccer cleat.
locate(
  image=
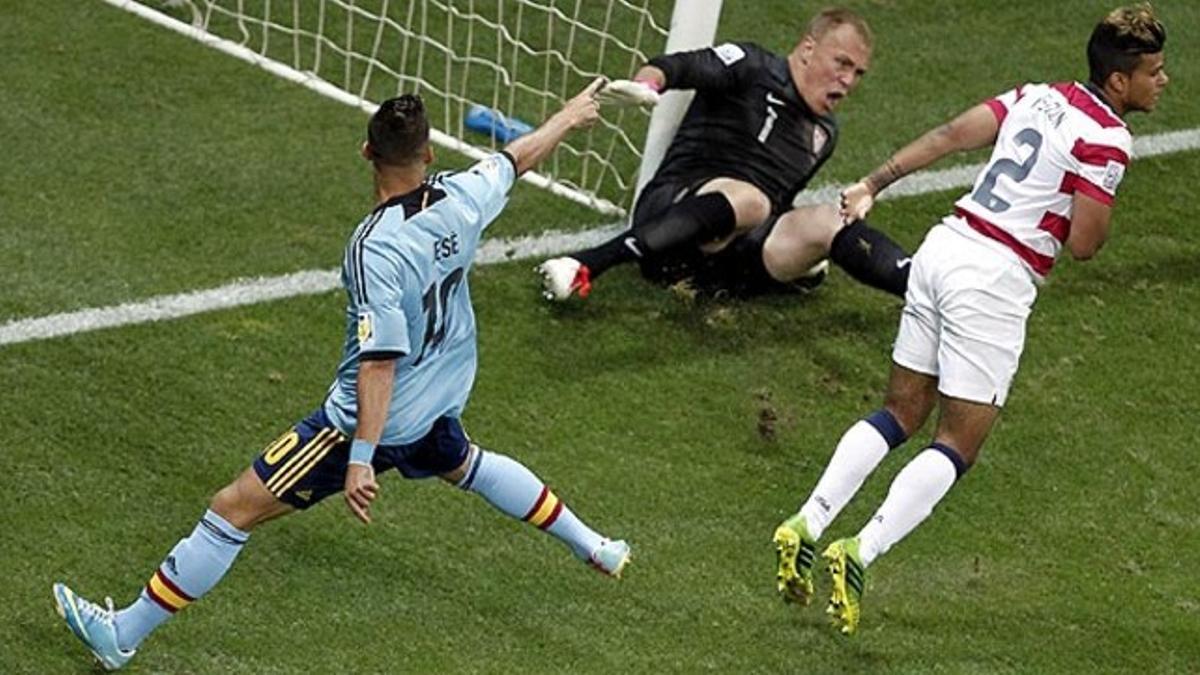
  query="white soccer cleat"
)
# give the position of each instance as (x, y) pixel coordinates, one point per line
(563, 276)
(610, 558)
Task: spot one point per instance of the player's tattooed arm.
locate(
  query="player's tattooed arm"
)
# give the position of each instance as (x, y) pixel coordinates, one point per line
(975, 128)
(880, 178)
(858, 199)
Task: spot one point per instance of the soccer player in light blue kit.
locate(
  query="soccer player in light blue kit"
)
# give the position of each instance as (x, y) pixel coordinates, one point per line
(407, 369)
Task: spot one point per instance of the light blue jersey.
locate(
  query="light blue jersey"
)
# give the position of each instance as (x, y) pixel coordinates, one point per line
(405, 274)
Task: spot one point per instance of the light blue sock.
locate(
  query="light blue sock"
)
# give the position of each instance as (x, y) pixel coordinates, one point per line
(510, 487)
(193, 567)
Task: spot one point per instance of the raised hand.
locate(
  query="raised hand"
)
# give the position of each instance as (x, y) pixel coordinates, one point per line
(583, 110)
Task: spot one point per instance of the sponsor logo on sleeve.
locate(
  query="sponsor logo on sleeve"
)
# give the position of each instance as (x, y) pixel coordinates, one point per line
(366, 328)
(1113, 174)
(729, 53)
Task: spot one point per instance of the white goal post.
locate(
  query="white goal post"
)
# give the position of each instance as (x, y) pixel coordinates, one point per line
(472, 61)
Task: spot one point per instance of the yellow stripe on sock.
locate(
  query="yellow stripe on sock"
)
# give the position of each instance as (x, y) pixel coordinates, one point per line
(546, 510)
(296, 460)
(167, 595)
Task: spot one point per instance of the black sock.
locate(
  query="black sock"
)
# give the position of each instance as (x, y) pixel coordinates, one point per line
(622, 248)
(871, 257)
(694, 221)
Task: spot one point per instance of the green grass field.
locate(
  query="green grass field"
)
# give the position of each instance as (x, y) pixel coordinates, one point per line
(139, 163)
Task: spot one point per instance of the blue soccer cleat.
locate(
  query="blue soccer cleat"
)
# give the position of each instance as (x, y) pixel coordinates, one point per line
(611, 557)
(94, 625)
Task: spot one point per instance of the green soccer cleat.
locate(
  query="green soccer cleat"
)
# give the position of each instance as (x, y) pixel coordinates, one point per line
(849, 579)
(795, 550)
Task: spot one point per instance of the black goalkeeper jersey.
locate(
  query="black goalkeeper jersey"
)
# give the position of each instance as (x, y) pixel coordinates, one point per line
(746, 122)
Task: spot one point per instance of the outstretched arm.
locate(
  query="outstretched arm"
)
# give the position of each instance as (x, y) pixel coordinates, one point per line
(581, 111)
(643, 90)
(973, 129)
(716, 68)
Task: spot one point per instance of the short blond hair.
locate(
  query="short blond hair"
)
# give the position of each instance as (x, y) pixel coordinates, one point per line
(831, 17)
(1137, 22)
(1119, 41)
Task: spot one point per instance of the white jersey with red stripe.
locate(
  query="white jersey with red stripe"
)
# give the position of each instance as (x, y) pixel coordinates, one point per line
(1054, 140)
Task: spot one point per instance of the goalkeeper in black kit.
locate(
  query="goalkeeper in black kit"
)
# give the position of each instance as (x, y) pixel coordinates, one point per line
(719, 211)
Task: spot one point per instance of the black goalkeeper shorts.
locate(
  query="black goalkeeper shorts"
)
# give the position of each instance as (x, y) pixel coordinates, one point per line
(719, 274)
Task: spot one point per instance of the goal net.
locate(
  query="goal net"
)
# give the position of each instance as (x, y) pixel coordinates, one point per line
(482, 66)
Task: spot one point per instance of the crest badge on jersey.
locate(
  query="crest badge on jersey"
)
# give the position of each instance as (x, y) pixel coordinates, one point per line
(1112, 176)
(366, 329)
(820, 138)
(729, 53)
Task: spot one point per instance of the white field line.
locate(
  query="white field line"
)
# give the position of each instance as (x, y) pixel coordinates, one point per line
(311, 282)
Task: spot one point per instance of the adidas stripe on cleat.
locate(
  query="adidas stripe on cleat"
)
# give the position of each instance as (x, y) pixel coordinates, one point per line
(849, 580)
(795, 551)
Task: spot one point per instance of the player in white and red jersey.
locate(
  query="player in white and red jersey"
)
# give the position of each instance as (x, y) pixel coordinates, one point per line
(1060, 151)
(1053, 141)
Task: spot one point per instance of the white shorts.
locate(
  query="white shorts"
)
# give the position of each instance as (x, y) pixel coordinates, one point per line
(964, 315)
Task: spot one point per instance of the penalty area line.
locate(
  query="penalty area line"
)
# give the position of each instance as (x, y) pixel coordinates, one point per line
(312, 282)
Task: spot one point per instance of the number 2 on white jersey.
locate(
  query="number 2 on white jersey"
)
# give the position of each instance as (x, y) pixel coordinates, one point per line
(1018, 172)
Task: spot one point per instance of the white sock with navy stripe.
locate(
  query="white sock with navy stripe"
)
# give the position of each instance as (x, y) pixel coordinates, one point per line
(190, 570)
(918, 488)
(861, 449)
(513, 489)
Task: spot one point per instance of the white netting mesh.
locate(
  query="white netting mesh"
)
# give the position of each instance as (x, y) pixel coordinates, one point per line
(522, 58)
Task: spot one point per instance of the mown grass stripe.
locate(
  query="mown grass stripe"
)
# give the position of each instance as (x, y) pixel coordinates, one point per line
(310, 282)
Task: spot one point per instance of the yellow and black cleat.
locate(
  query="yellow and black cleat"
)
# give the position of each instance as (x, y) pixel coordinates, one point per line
(795, 551)
(849, 578)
